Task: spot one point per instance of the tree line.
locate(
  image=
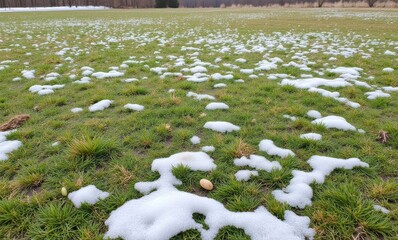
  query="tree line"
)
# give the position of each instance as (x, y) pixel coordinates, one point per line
(172, 3)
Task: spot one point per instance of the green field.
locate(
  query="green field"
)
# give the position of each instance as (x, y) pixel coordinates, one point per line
(113, 149)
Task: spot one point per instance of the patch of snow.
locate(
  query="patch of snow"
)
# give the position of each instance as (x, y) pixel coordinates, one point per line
(390, 89)
(299, 192)
(28, 74)
(110, 74)
(220, 126)
(388, 70)
(198, 69)
(195, 140)
(220, 85)
(7, 147)
(88, 194)
(76, 110)
(334, 122)
(135, 107)
(218, 76)
(381, 209)
(315, 82)
(311, 136)
(216, 105)
(258, 162)
(45, 89)
(270, 148)
(377, 94)
(166, 212)
(292, 118)
(101, 105)
(208, 149)
(390, 53)
(244, 175)
(314, 114)
(200, 96)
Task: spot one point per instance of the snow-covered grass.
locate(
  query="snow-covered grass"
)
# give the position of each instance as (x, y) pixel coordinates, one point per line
(218, 81)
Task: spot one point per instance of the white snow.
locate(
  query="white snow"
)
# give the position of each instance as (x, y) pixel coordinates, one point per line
(388, 70)
(258, 162)
(292, 118)
(390, 89)
(135, 107)
(381, 209)
(128, 80)
(83, 80)
(218, 76)
(269, 147)
(76, 110)
(195, 140)
(220, 126)
(247, 71)
(45, 89)
(377, 94)
(197, 96)
(7, 147)
(28, 74)
(314, 114)
(110, 74)
(167, 211)
(299, 192)
(334, 122)
(241, 60)
(88, 194)
(391, 53)
(315, 82)
(198, 69)
(101, 105)
(311, 136)
(244, 175)
(220, 85)
(216, 105)
(208, 149)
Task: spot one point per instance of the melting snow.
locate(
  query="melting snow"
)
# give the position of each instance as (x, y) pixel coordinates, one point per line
(135, 107)
(101, 105)
(220, 126)
(269, 147)
(76, 110)
(299, 192)
(216, 105)
(110, 74)
(377, 94)
(381, 209)
(200, 96)
(314, 114)
(208, 149)
(45, 89)
(334, 122)
(195, 140)
(88, 194)
(311, 136)
(7, 147)
(244, 175)
(166, 212)
(258, 162)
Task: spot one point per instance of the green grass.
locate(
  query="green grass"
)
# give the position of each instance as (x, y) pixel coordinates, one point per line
(113, 149)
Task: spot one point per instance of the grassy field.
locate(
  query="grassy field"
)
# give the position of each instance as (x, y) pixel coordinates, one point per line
(113, 149)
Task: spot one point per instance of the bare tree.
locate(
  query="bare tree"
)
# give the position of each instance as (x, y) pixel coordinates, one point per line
(321, 2)
(371, 3)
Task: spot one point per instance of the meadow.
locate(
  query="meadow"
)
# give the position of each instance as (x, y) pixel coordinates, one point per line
(264, 68)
